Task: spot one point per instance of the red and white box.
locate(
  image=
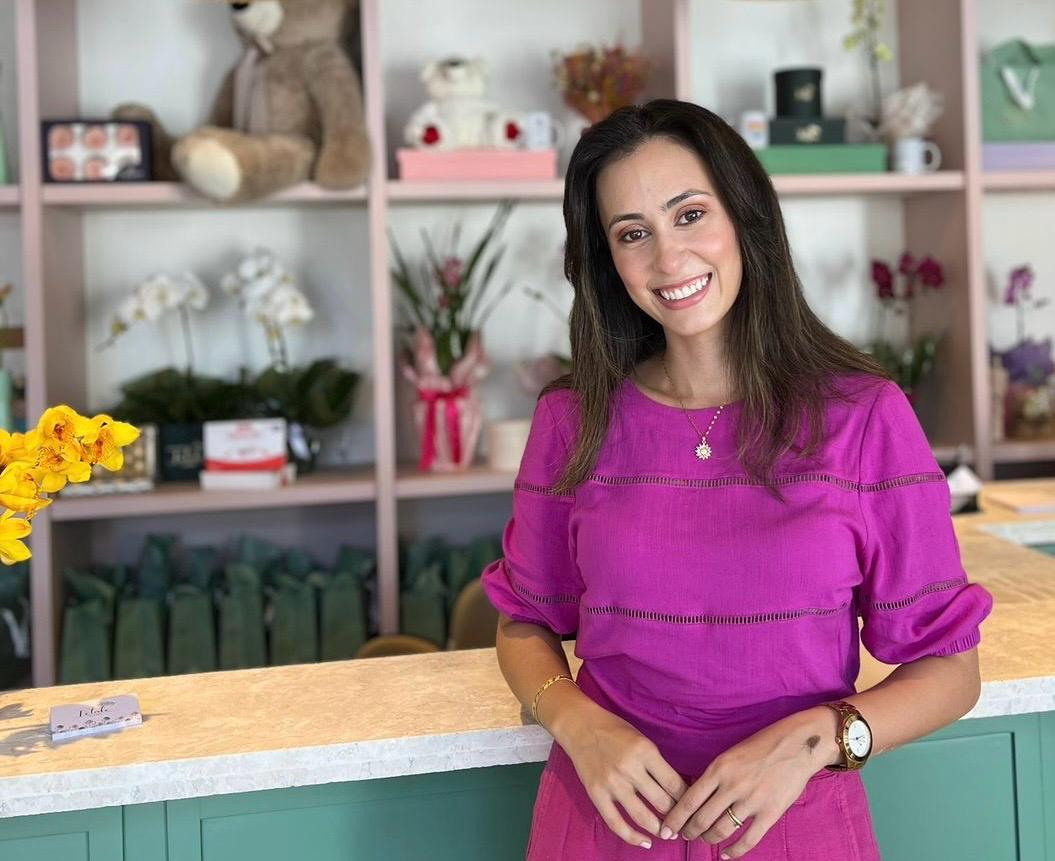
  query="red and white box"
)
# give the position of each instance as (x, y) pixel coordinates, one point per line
(476, 164)
(247, 453)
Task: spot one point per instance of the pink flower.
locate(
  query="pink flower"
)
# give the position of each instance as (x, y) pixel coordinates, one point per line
(930, 272)
(452, 272)
(883, 278)
(1018, 285)
(906, 265)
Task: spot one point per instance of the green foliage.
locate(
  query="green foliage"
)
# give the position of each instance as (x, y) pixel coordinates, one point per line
(319, 395)
(171, 396)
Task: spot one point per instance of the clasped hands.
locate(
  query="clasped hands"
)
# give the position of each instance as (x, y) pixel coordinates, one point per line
(761, 777)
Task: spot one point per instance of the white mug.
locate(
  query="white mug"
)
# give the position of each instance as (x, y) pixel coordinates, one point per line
(916, 155)
(542, 131)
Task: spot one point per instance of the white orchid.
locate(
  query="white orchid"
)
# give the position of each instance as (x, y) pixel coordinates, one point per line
(268, 294)
(156, 294)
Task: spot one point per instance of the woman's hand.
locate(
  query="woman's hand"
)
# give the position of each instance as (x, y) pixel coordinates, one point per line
(761, 777)
(615, 762)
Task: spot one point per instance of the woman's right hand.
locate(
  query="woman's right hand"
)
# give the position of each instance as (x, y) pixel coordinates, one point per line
(615, 762)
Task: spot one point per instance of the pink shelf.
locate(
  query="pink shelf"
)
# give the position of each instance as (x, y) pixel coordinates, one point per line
(10, 196)
(1019, 180)
(412, 484)
(177, 194)
(868, 183)
(322, 488)
(805, 184)
(549, 189)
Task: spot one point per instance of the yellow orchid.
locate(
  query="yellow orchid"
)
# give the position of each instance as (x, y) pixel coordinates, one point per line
(20, 489)
(12, 530)
(62, 447)
(104, 438)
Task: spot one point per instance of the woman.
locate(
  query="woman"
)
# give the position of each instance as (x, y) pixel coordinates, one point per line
(710, 500)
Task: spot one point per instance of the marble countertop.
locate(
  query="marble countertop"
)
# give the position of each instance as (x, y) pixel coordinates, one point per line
(223, 732)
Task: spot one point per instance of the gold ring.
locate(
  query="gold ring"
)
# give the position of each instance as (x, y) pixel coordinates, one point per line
(729, 810)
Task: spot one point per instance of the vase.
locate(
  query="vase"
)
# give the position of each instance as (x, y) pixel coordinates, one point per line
(1029, 410)
(448, 415)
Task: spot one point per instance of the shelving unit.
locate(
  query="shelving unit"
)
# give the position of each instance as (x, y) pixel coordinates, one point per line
(941, 214)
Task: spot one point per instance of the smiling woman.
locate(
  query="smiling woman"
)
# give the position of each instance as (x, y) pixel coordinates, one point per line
(711, 499)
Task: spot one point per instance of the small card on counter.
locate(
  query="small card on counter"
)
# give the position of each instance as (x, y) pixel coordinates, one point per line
(77, 719)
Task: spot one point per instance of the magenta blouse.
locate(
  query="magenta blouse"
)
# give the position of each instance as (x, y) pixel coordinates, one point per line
(705, 609)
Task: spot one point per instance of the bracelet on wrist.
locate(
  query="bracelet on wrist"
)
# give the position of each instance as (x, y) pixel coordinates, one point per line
(542, 689)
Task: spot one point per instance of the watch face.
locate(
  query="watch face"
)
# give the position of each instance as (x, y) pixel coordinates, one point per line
(859, 738)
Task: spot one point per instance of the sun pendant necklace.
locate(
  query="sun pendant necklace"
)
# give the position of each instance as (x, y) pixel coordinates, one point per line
(703, 450)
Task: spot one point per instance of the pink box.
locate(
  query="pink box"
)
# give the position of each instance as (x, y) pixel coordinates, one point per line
(476, 164)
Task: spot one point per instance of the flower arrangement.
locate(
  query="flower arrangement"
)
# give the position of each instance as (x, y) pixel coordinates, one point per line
(910, 112)
(448, 301)
(867, 20)
(62, 448)
(597, 79)
(896, 288)
(443, 356)
(318, 395)
(1028, 407)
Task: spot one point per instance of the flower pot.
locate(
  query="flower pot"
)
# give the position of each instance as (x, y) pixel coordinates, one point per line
(1029, 410)
(180, 451)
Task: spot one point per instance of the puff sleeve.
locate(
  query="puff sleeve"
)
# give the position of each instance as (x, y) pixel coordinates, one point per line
(537, 580)
(914, 599)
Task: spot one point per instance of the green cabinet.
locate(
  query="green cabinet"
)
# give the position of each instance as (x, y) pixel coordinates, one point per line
(84, 835)
(980, 789)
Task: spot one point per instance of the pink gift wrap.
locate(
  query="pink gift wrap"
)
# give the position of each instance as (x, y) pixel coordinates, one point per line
(448, 415)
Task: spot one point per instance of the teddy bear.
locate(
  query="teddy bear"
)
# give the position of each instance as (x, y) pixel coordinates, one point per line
(290, 110)
(457, 116)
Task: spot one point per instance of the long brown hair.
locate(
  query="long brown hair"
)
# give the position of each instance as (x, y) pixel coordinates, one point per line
(782, 358)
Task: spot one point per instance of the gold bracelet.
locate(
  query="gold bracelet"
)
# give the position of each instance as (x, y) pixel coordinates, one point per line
(541, 690)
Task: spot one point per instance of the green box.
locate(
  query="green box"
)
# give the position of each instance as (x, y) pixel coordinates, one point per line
(824, 158)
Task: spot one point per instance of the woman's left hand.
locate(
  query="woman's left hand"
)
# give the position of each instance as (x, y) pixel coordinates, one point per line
(760, 778)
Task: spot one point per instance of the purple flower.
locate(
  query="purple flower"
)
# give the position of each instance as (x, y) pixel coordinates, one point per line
(930, 272)
(1018, 285)
(883, 278)
(906, 265)
(1029, 361)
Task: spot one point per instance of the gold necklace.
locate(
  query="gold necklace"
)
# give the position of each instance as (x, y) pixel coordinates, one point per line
(703, 450)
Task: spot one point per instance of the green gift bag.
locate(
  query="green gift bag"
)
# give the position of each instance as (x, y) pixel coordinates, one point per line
(192, 632)
(482, 552)
(85, 655)
(1017, 82)
(422, 606)
(342, 604)
(138, 641)
(156, 567)
(259, 554)
(294, 621)
(242, 641)
(87, 621)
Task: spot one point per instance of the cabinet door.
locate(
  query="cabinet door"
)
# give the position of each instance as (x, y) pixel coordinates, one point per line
(478, 814)
(83, 835)
(970, 790)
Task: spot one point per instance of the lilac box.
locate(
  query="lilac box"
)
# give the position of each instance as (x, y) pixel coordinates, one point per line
(1018, 156)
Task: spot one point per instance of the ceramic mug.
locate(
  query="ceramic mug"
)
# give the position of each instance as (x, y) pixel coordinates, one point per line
(542, 131)
(916, 155)
(506, 441)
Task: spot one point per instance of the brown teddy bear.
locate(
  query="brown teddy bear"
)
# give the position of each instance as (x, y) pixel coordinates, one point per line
(289, 111)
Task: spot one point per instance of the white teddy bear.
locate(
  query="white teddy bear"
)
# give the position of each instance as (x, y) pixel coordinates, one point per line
(457, 116)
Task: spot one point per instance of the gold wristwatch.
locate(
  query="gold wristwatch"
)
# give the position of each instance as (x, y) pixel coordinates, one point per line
(854, 737)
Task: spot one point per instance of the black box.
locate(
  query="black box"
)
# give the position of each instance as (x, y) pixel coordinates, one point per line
(792, 130)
